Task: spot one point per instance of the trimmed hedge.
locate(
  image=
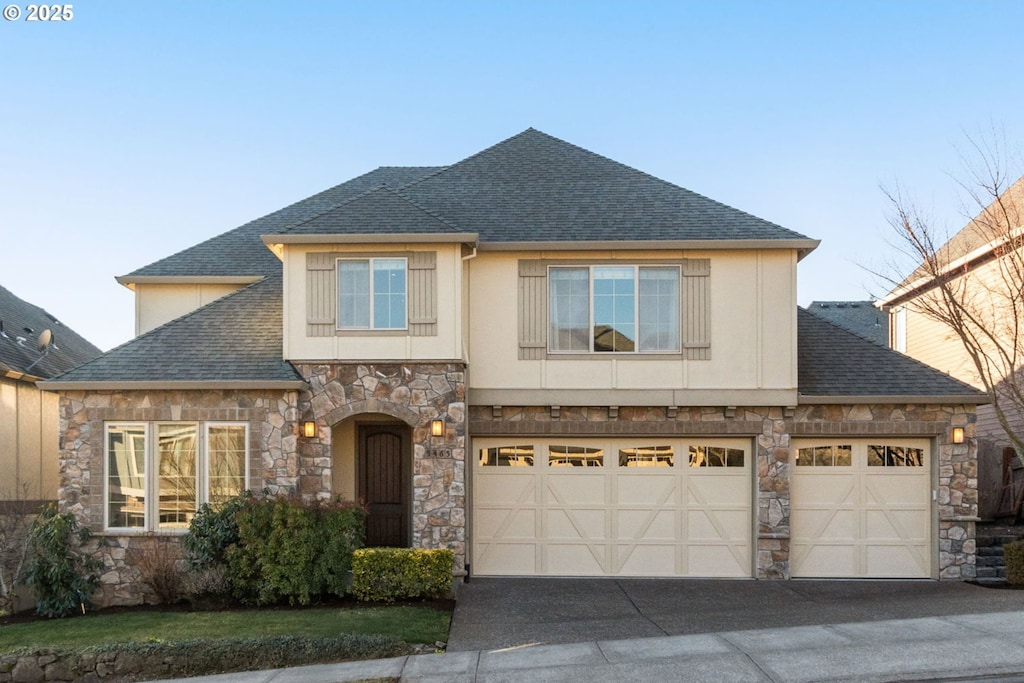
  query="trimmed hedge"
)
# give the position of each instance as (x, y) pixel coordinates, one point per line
(1013, 557)
(389, 574)
(293, 550)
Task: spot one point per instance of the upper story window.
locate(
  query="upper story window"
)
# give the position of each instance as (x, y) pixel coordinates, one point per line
(157, 474)
(372, 294)
(617, 309)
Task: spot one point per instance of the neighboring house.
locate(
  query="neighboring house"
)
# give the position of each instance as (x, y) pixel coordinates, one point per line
(861, 317)
(547, 361)
(29, 425)
(974, 255)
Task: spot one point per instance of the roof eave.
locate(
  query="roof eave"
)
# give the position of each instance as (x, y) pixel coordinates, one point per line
(943, 399)
(169, 385)
(471, 238)
(130, 281)
(804, 246)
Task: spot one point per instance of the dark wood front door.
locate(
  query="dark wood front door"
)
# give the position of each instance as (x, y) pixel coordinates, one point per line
(384, 484)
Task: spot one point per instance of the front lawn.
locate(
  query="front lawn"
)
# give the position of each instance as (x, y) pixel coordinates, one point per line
(411, 624)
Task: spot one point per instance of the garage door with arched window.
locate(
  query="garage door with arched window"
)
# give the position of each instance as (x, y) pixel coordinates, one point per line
(861, 508)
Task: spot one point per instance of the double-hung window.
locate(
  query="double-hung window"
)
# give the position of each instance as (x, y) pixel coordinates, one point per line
(372, 294)
(614, 309)
(157, 474)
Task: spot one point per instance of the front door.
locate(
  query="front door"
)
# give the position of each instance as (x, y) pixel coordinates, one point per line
(384, 484)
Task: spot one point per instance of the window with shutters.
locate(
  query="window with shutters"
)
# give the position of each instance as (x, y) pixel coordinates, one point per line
(595, 309)
(371, 294)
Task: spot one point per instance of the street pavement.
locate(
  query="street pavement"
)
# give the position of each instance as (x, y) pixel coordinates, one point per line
(596, 630)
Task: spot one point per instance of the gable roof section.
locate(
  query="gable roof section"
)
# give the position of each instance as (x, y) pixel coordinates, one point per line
(835, 365)
(25, 321)
(234, 342)
(240, 253)
(536, 188)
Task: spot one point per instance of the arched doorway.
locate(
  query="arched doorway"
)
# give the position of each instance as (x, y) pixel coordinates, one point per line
(372, 463)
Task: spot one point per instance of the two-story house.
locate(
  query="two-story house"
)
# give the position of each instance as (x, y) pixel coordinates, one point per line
(552, 363)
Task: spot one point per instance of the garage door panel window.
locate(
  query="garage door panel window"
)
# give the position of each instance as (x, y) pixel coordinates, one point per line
(833, 455)
(507, 456)
(575, 456)
(715, 456)
(894, 456)
(647, 456)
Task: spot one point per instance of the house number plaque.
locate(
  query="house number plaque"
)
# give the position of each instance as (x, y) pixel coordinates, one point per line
(439, 453)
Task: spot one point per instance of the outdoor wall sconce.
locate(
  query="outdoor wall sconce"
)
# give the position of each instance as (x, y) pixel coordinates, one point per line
(958, 434)
(437, 427)
(309, 429)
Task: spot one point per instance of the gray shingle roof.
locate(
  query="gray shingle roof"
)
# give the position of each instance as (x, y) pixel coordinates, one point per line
(234, 339)
(832, 361)
(861, 317)
(379, 211)
(22, 323)
(241, 252)
(537, 188)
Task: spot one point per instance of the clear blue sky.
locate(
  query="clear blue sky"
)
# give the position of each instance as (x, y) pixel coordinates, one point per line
(140, 128)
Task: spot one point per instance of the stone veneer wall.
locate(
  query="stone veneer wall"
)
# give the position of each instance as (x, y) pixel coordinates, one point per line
(273, 463)
(773, 428)
(413, 393)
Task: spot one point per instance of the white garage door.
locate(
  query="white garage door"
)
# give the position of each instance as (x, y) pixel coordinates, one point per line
(861, 508)
(612, 507)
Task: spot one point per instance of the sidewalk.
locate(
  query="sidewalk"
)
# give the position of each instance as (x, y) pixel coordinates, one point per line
(953, 647)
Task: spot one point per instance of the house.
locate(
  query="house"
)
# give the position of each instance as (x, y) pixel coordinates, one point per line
(547, 361)
(983, 262)
(34, 346)
(861, 317)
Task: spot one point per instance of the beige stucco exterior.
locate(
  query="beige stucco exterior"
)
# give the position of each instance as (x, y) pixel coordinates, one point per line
(753, 330)
(156, 304)
(28, 442)
(370, 345)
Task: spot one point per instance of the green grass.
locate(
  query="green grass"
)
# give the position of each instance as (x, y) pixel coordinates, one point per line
(408, 623)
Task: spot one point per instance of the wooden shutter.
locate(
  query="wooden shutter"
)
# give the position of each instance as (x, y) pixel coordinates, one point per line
(321, 294)
(696, 312)
(423, 294)
(533, 310)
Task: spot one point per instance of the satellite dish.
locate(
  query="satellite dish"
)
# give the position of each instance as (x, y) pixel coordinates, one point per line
(45, 339)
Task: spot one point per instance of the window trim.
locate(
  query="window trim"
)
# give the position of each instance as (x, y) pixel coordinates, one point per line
(636, 268)
(151, 478)
(369, 260)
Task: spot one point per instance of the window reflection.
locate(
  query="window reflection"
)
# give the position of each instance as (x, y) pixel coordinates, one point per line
(507, 456)
(647, 456)
(575, 456)
(715, 456)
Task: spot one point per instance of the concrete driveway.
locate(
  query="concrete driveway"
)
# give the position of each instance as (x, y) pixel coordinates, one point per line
(492, 614)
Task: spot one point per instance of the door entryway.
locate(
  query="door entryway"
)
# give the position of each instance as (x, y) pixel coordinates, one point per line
(383, 472)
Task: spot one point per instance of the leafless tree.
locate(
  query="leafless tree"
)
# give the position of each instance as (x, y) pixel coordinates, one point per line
(973, 282)
(16, 517)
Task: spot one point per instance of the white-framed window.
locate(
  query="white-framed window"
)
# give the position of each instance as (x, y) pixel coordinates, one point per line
(372, 294)
(614, 309)
(898, 329)
(158, 473)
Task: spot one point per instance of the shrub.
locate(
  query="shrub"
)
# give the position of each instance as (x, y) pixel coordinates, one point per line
(389, 574)
(157, 561)
(293, 550)
(1013, 556)
(211, 532)
(63, 578)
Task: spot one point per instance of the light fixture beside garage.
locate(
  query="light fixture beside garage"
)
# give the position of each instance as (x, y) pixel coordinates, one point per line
(437, 427)
(958, 435)
(309, 429)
